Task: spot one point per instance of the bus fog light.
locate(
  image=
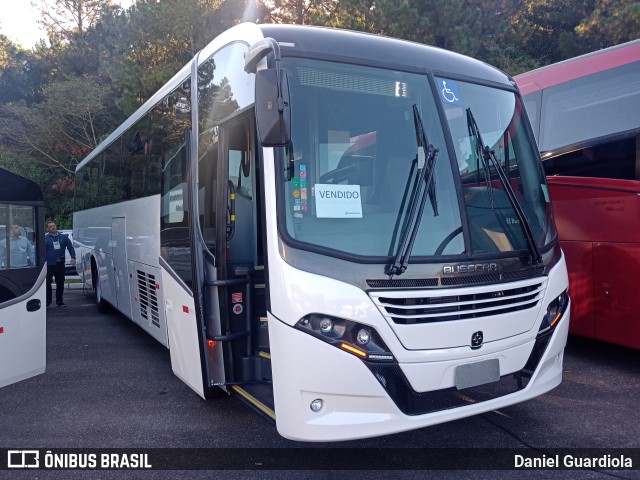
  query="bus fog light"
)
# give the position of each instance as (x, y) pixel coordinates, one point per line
(316, 405)
(326, 325)
(363, 336)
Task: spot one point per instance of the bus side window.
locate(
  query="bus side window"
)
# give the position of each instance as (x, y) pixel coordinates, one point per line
(240, 163)
(208, 174)
(615, 159)
(17, 225)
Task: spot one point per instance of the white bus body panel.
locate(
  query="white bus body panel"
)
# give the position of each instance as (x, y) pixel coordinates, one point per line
(355, 404)
(23, 336)
(182, 330)
(120, 266)
(125, 243)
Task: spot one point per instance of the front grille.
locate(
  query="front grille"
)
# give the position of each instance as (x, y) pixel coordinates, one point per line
(474, 279)
(404, 283)
(471, 279)
(411, 402)
(432, 306)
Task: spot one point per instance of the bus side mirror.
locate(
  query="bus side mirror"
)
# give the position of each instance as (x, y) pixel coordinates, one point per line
(273, 112)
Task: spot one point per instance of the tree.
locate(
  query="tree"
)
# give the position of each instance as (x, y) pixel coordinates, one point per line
(22, 72)
(64, 18)
(62, 129)
(545, 29)
(58, 202)
(478, 28)
(393, 18)
(611, 22)
(45, 141)
(290, 11)
(154, 40)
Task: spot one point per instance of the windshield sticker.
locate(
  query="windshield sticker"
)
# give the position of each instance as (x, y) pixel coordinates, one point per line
(299, 193)
(303, 188)
(449, 92)
(338, 201)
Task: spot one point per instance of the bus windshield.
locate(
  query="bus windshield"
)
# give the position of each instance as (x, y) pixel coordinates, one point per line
(356, 156)
(488, 122)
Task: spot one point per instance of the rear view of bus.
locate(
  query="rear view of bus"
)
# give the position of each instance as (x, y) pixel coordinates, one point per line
(584, 114)
(353, 233)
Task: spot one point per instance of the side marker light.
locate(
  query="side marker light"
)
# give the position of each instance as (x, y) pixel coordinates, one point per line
(354, 350)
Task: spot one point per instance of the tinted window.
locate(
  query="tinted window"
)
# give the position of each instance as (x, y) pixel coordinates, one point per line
(615, 159)
(590, 107)
(17, 231)
(18, 250)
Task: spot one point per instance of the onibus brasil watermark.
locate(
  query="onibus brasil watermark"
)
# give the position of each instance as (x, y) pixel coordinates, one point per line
(32, 459)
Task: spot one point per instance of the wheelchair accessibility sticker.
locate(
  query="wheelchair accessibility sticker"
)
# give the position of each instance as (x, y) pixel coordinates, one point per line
(448, 92)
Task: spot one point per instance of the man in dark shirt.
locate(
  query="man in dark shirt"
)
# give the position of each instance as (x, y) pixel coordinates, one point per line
(55, 244)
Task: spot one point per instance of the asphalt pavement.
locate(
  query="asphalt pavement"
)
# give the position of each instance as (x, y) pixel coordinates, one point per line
(109, 385)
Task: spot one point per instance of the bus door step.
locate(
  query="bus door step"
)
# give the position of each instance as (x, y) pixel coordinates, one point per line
(263, 334)
(256, 368)
(259, 397)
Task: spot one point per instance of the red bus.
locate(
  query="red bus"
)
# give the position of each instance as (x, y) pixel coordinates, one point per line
(585, 113)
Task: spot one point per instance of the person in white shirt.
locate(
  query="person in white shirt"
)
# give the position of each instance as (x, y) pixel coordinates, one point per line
(21, 252)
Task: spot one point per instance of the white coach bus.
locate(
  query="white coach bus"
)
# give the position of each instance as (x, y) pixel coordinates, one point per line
(351, 232)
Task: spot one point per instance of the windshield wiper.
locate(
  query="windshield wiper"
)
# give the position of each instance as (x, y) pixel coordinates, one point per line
(488, 156)
(474, 132)
(423, 186)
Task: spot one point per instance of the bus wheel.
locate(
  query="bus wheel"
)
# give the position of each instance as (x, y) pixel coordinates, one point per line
(103, 307)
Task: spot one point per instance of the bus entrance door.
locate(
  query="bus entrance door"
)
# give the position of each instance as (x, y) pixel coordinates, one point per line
(183, 334)
(244, 302)
(120, 269)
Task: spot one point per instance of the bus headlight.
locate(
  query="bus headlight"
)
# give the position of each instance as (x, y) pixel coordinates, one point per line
(555, 310)
(360, 340)
(364, 336)
(326, 326)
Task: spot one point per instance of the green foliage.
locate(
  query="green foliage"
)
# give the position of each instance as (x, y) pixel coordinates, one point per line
(22, 72)
(63, 128)
(393, 18)
(611, 22)
(62, 19)
(58, 205)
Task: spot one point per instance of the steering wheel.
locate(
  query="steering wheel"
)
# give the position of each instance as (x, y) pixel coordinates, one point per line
(447, 240)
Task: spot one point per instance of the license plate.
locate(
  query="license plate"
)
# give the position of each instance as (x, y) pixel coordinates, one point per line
(479, 373)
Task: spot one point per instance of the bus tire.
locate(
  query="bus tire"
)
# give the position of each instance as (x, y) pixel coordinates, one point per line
(103, 306)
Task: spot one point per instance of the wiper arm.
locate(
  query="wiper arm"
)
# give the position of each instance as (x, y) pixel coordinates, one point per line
(474, 132)
(489, 156)
(424, 185)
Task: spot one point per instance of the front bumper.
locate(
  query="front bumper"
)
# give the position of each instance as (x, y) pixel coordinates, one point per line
(363, 400)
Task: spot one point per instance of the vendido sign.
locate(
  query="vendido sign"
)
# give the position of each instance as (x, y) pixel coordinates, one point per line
(338, 201)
